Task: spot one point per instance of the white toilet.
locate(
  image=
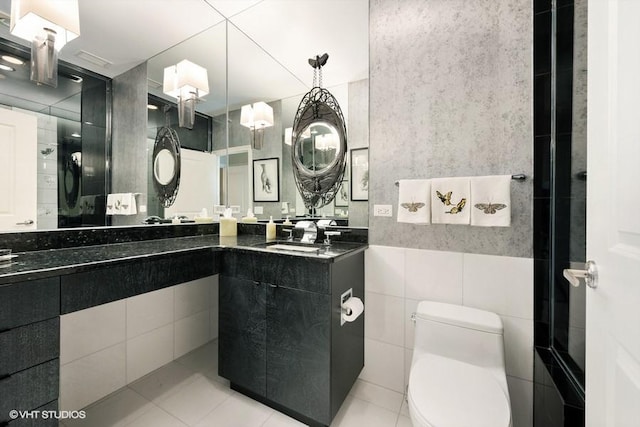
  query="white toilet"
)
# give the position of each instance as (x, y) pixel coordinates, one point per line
(457, 376)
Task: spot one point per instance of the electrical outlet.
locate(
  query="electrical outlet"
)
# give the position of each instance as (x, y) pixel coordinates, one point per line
(382, 210)
(258, 210)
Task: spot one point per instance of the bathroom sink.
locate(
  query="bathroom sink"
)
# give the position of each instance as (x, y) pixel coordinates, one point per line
(292, 247)
(283, 245)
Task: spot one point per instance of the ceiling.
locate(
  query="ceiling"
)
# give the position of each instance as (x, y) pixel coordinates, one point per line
(269, 42)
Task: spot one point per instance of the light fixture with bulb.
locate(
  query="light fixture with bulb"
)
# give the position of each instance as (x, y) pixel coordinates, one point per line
(257, 117)
(48, 25)
(12, 60)
(186, 82)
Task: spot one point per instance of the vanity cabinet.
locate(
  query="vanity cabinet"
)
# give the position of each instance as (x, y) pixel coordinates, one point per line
(280, 338)
(242, 332)
(29, 348)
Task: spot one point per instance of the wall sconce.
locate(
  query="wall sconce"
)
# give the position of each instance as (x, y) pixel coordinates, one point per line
(256, 118)
(48, 25)
(187, 82)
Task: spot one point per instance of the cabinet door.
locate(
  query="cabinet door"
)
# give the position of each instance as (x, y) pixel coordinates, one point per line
(242, 341)
(298, 350)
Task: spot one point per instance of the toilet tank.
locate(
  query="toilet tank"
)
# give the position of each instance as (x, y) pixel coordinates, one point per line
(463, 333)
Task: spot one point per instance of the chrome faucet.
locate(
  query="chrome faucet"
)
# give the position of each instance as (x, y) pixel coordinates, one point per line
(290, 235)
(310, 231)
(327, 236)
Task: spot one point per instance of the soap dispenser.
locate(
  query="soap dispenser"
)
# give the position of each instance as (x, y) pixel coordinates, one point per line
(271, 229)
(287, 221)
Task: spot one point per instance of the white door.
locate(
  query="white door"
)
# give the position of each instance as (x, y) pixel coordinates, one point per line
(239, 187)
(18, 173)
(613, 214)
(198, 184)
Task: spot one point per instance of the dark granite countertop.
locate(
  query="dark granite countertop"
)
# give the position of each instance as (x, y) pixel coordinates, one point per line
(55, 262)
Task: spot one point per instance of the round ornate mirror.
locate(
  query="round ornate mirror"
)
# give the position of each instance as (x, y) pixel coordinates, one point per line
(166, 166)
(319, 152)
(318, 147)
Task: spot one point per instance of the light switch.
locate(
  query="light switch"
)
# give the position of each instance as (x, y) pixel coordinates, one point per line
(382, 210)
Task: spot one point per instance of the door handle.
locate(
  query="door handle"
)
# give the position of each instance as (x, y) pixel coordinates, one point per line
(27, 222)
(590, 275)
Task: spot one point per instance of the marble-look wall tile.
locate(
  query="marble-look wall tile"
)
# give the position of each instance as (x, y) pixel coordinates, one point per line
(450, 95)
(358, 137)
(129, 138)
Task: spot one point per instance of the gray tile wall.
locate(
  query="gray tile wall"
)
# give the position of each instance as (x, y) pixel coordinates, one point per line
(129, 138)
(358, 137)
(451, 95)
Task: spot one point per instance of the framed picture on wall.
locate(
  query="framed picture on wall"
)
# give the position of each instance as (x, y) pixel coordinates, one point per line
(360, 174)
(342, 196)
(266, 180)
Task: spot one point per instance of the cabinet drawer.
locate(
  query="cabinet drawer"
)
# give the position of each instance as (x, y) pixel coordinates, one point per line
(28, 302)
(30, 345)
(104, 285)
(284, 270)
(29, 389)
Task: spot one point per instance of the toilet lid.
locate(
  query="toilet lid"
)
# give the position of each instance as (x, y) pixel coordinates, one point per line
(446, 393)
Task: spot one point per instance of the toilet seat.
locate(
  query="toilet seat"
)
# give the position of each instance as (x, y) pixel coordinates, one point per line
(449, 393)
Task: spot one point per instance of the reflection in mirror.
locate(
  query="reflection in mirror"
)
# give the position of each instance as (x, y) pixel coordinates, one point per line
(318, 127)
(248, 85)
(318, 147)
(235, 175)
(199, 180)
(164, 167)
(69, 177)
(258, 71)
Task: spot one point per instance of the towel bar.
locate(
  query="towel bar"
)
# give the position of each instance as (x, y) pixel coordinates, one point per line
(516, 177)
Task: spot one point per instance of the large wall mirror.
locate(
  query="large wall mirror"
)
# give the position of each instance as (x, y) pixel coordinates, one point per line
(253, 51)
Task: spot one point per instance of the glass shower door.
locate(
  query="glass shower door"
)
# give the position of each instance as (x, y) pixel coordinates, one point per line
(568, 197)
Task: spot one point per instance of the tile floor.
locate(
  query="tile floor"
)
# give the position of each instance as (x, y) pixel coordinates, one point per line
(189, 393)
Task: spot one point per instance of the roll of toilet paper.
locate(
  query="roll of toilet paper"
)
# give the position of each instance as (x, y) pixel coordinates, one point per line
(352, 308)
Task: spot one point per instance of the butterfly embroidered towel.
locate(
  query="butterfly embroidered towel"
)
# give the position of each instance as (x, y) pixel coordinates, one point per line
(414, 203)
(121, 204)
(491, 201)
(111, 203)
(128, 204)
(449, 201)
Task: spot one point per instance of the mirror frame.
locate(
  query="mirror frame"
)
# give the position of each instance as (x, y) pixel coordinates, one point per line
(167, 139)
(72, 171)
(319, 188)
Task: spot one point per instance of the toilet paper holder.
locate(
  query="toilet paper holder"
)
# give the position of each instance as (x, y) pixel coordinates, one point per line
(344, 310)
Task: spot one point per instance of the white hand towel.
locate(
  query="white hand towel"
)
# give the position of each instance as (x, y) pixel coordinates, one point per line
(111, 203)
(491, 201)
(450, 201)
(414, 203)
(121, 204)
(128, 204)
